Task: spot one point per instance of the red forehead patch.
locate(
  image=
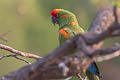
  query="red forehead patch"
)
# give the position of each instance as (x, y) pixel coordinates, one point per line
(55, 11)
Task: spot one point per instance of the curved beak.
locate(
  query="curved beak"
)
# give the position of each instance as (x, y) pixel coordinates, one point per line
(54, 20)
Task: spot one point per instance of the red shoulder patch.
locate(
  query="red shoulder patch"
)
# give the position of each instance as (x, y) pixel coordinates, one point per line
(64, 33)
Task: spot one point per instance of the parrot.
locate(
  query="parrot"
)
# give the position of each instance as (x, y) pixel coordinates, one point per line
(68, 28)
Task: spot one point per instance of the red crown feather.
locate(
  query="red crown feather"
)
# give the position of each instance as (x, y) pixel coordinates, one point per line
(55, 11)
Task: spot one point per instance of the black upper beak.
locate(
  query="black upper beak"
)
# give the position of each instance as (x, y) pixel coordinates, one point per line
(54, 20)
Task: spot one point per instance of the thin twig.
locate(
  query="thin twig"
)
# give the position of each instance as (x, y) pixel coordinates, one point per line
(4, 34)
(19, 58)
(15, 56)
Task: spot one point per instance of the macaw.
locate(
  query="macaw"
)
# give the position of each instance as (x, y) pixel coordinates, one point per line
(69, 27)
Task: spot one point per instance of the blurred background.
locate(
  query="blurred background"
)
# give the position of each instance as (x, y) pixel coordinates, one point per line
(30, 29)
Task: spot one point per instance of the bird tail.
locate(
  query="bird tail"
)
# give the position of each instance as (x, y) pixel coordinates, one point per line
(92, 76)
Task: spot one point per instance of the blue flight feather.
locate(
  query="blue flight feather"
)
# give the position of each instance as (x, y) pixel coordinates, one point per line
(94, 69)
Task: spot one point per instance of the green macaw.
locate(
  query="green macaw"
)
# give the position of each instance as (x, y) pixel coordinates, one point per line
(69, 27)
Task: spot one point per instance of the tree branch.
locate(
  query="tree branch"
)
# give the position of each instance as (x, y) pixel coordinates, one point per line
(17, 52)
